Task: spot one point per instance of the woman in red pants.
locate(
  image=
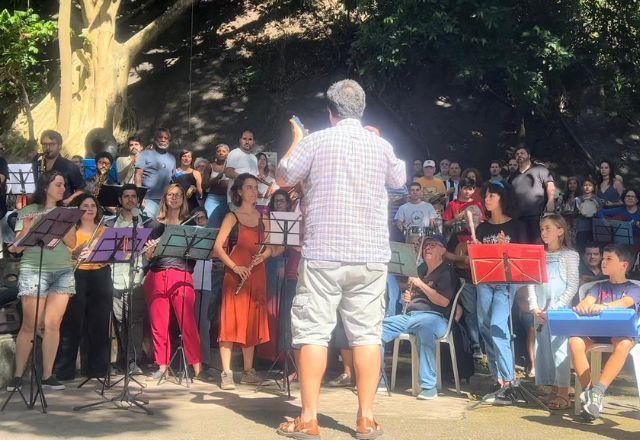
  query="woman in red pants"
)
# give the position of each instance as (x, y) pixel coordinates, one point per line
(169, 283)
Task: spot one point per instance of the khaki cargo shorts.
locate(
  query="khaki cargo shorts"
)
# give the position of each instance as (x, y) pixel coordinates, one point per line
(357, 291)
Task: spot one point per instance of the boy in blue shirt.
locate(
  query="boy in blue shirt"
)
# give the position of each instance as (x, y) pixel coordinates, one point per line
(616, 292)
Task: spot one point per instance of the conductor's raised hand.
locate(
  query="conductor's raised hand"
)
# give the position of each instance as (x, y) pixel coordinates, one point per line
(242, 271)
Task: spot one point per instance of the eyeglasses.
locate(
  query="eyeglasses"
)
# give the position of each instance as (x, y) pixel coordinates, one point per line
(49, 144)
(279, 200)
(174, 195)
(432, 244)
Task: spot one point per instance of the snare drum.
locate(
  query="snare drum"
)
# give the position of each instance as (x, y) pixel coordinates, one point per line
(413, 233)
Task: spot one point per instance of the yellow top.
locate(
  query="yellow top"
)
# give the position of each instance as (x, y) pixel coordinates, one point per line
(81, 240)
(431, 187)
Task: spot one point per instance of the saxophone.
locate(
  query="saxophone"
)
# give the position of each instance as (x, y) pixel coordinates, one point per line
(101, 178)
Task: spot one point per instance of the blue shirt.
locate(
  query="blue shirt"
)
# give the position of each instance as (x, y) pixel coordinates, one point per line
(157, 171)
(621, 213)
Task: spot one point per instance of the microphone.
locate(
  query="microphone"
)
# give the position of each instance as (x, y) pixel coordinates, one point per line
(135, 212)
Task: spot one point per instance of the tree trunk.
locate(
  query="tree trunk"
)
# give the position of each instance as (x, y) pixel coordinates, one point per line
(66, 80)
(95, 96)
(29, 116)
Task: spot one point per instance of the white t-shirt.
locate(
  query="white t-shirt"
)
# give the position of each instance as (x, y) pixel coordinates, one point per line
(416, 214)
(241, 162)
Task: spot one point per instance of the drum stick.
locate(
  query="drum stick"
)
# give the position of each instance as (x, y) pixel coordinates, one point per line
(472, 227)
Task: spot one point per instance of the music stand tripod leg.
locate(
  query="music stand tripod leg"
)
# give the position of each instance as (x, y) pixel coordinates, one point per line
(36, 377)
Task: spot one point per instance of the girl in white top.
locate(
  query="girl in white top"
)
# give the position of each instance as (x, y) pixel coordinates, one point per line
(552, 362)
(266, 183)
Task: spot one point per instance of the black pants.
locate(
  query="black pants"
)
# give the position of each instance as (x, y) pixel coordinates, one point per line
(532, 225)
(87, 319)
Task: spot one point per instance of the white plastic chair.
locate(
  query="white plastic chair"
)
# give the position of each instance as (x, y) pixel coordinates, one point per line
(596, 356)
(415, 359)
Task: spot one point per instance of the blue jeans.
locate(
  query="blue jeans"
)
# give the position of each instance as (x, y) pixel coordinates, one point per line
(428, 327)
(217, 208)
(469, 301)
(494, 307)
(393, 290)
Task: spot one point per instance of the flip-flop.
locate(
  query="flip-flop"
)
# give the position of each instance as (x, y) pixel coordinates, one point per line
(559, 403)
(299, 430)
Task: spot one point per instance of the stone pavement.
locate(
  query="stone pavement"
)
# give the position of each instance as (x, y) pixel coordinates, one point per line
(206, 412)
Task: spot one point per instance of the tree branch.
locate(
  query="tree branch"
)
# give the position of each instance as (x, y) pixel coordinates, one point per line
(137, 42)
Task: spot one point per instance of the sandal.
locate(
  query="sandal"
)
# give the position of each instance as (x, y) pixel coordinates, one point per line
(559, 403)
(367, 429)
(299, 430)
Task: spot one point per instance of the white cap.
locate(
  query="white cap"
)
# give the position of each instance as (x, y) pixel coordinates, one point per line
(428, 163)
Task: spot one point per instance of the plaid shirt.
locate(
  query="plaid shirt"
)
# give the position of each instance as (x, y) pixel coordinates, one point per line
(345, 170)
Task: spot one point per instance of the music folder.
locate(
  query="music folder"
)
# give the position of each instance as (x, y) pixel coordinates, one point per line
(508, 263)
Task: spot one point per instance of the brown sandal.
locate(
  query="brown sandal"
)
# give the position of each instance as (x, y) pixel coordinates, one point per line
(299, 430)
(559, 403)
(367, 429)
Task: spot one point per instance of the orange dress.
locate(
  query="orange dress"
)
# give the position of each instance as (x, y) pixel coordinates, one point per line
(243, 318)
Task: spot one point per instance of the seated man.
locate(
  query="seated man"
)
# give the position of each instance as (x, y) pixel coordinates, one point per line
(616, 292)
(590, 264)
(427, 312)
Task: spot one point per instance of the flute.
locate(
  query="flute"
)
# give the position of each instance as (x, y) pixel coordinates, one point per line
(252, 265)
(89, 242)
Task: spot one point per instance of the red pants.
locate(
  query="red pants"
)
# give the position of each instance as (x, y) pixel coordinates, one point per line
(171, 288)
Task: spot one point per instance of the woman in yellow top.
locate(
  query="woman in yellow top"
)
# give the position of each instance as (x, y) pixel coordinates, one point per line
(89, 310)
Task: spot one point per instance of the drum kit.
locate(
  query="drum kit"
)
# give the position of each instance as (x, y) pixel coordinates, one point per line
(413, 234)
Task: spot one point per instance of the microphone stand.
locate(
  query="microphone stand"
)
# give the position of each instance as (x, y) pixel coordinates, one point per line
(126, 399)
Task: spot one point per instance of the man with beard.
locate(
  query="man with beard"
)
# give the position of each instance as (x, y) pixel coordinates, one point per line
(534, 191)
(126, 165)
(241, 160)
(51, 142)
(512, 167)
(154, 169)
(217, 184)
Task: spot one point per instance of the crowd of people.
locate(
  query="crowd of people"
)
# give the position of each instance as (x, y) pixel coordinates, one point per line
(340, 277)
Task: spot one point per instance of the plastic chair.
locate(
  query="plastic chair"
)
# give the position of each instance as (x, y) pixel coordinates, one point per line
(596, 356)
(415, 360)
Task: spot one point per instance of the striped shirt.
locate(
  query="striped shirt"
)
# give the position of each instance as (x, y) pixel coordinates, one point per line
(345, 171)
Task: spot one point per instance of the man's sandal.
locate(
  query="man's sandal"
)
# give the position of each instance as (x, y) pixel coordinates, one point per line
(299, 430)
(559, 403)
(367, 429)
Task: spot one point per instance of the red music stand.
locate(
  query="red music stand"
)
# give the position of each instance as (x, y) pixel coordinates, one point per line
(508, 263)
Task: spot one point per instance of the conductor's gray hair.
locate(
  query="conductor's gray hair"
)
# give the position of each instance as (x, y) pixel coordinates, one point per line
(346, 99)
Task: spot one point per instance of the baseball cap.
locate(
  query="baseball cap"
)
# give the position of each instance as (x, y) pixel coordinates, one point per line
(429, 163)
(437, 238)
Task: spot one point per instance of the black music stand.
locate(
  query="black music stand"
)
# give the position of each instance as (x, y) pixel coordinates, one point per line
(193, 243)
(122, 245)
(47, 232)
(116, 245)
(612, 231)
(509, 264)
(21, 180)
(283, 230)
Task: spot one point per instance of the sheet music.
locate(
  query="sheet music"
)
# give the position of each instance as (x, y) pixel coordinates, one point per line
(281, 221)
(21, 179)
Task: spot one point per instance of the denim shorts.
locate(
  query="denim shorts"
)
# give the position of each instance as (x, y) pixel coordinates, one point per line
(61, 282)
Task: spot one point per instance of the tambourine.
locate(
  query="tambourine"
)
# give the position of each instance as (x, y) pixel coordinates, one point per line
(588, 208)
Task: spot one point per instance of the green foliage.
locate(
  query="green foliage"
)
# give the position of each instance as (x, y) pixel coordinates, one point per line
(529, 52)
(23, 35)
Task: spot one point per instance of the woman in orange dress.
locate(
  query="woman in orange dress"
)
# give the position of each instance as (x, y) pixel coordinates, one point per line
(243, 318)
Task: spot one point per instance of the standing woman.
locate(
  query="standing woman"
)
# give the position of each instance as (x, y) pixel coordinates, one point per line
(567, 206)
(56, 282)
(626, 213)
(609, 184)
(216, 183)
(90, 308)
(243, 318)
(552, 361)
(266, 184)
(495, 300)
(189, 179)
(169, 283)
